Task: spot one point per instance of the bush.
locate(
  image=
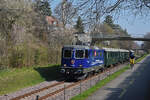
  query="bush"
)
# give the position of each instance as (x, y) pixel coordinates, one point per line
(16, 57)
(27, 55)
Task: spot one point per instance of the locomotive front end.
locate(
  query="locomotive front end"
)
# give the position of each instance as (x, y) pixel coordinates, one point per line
(73, 61)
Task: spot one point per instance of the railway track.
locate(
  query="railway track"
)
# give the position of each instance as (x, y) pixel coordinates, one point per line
(56, 88)
(72, 85)
(32, 95)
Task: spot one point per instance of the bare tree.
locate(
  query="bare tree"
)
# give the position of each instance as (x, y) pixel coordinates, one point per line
(65, 12)
(134, 5)
(94, 10)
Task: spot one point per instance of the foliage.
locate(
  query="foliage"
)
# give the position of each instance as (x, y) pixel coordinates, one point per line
(26, 39)
(16, 57)
(79, 25)
(108, 20)
(107, 29)
(43, 7)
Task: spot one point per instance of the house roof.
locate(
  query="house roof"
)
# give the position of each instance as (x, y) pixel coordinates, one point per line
(51, 20)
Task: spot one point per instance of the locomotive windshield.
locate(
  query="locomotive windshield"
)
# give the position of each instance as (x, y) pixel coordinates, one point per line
(67, 53)
(79, 53)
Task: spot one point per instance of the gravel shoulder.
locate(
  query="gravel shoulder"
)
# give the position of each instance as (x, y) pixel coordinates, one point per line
(26, 90)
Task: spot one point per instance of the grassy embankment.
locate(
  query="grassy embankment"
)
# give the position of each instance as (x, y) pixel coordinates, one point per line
(15, 79)
(103, 82)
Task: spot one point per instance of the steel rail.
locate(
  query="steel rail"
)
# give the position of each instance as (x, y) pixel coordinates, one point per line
(36, 91)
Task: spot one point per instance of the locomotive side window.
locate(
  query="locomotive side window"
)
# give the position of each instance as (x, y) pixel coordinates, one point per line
(97, 54)
(79, 53)
(100, 54)
(86, 54)
(67, 53)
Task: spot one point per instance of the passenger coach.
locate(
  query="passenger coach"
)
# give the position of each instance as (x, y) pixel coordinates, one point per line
(114, 56)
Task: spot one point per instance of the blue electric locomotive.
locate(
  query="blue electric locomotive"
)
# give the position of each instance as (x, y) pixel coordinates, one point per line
(77, 61)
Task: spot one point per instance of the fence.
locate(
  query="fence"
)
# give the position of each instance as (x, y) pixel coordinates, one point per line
(68, 93)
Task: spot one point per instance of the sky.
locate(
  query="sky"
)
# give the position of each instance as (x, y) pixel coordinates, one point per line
(136, 26)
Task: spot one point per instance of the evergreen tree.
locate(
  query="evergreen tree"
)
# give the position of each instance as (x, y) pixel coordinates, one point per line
(79, 25)
(125, 32)
(108, 20)
(43, 7)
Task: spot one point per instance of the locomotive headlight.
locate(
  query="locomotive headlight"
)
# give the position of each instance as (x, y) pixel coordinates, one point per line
(65, 65)
(80, 65)
(72, 61)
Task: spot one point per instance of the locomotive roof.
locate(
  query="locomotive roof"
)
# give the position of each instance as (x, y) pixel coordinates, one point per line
(81, 47)
(76, 46)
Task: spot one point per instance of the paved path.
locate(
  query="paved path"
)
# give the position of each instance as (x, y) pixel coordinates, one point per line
(134, 84)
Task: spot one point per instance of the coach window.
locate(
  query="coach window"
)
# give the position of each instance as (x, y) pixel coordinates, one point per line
(79, 53)
(86, 54)
(107, 55)
(67, 53)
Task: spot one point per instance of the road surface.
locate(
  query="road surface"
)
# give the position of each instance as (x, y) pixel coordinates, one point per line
(134, 84)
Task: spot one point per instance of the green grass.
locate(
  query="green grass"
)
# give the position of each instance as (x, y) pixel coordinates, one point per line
(103, 82)
(141, 58)
(12, 80)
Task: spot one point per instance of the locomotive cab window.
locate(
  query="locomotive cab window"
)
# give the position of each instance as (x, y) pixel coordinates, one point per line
(67, 53)
(79, 53)
(86, 54)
